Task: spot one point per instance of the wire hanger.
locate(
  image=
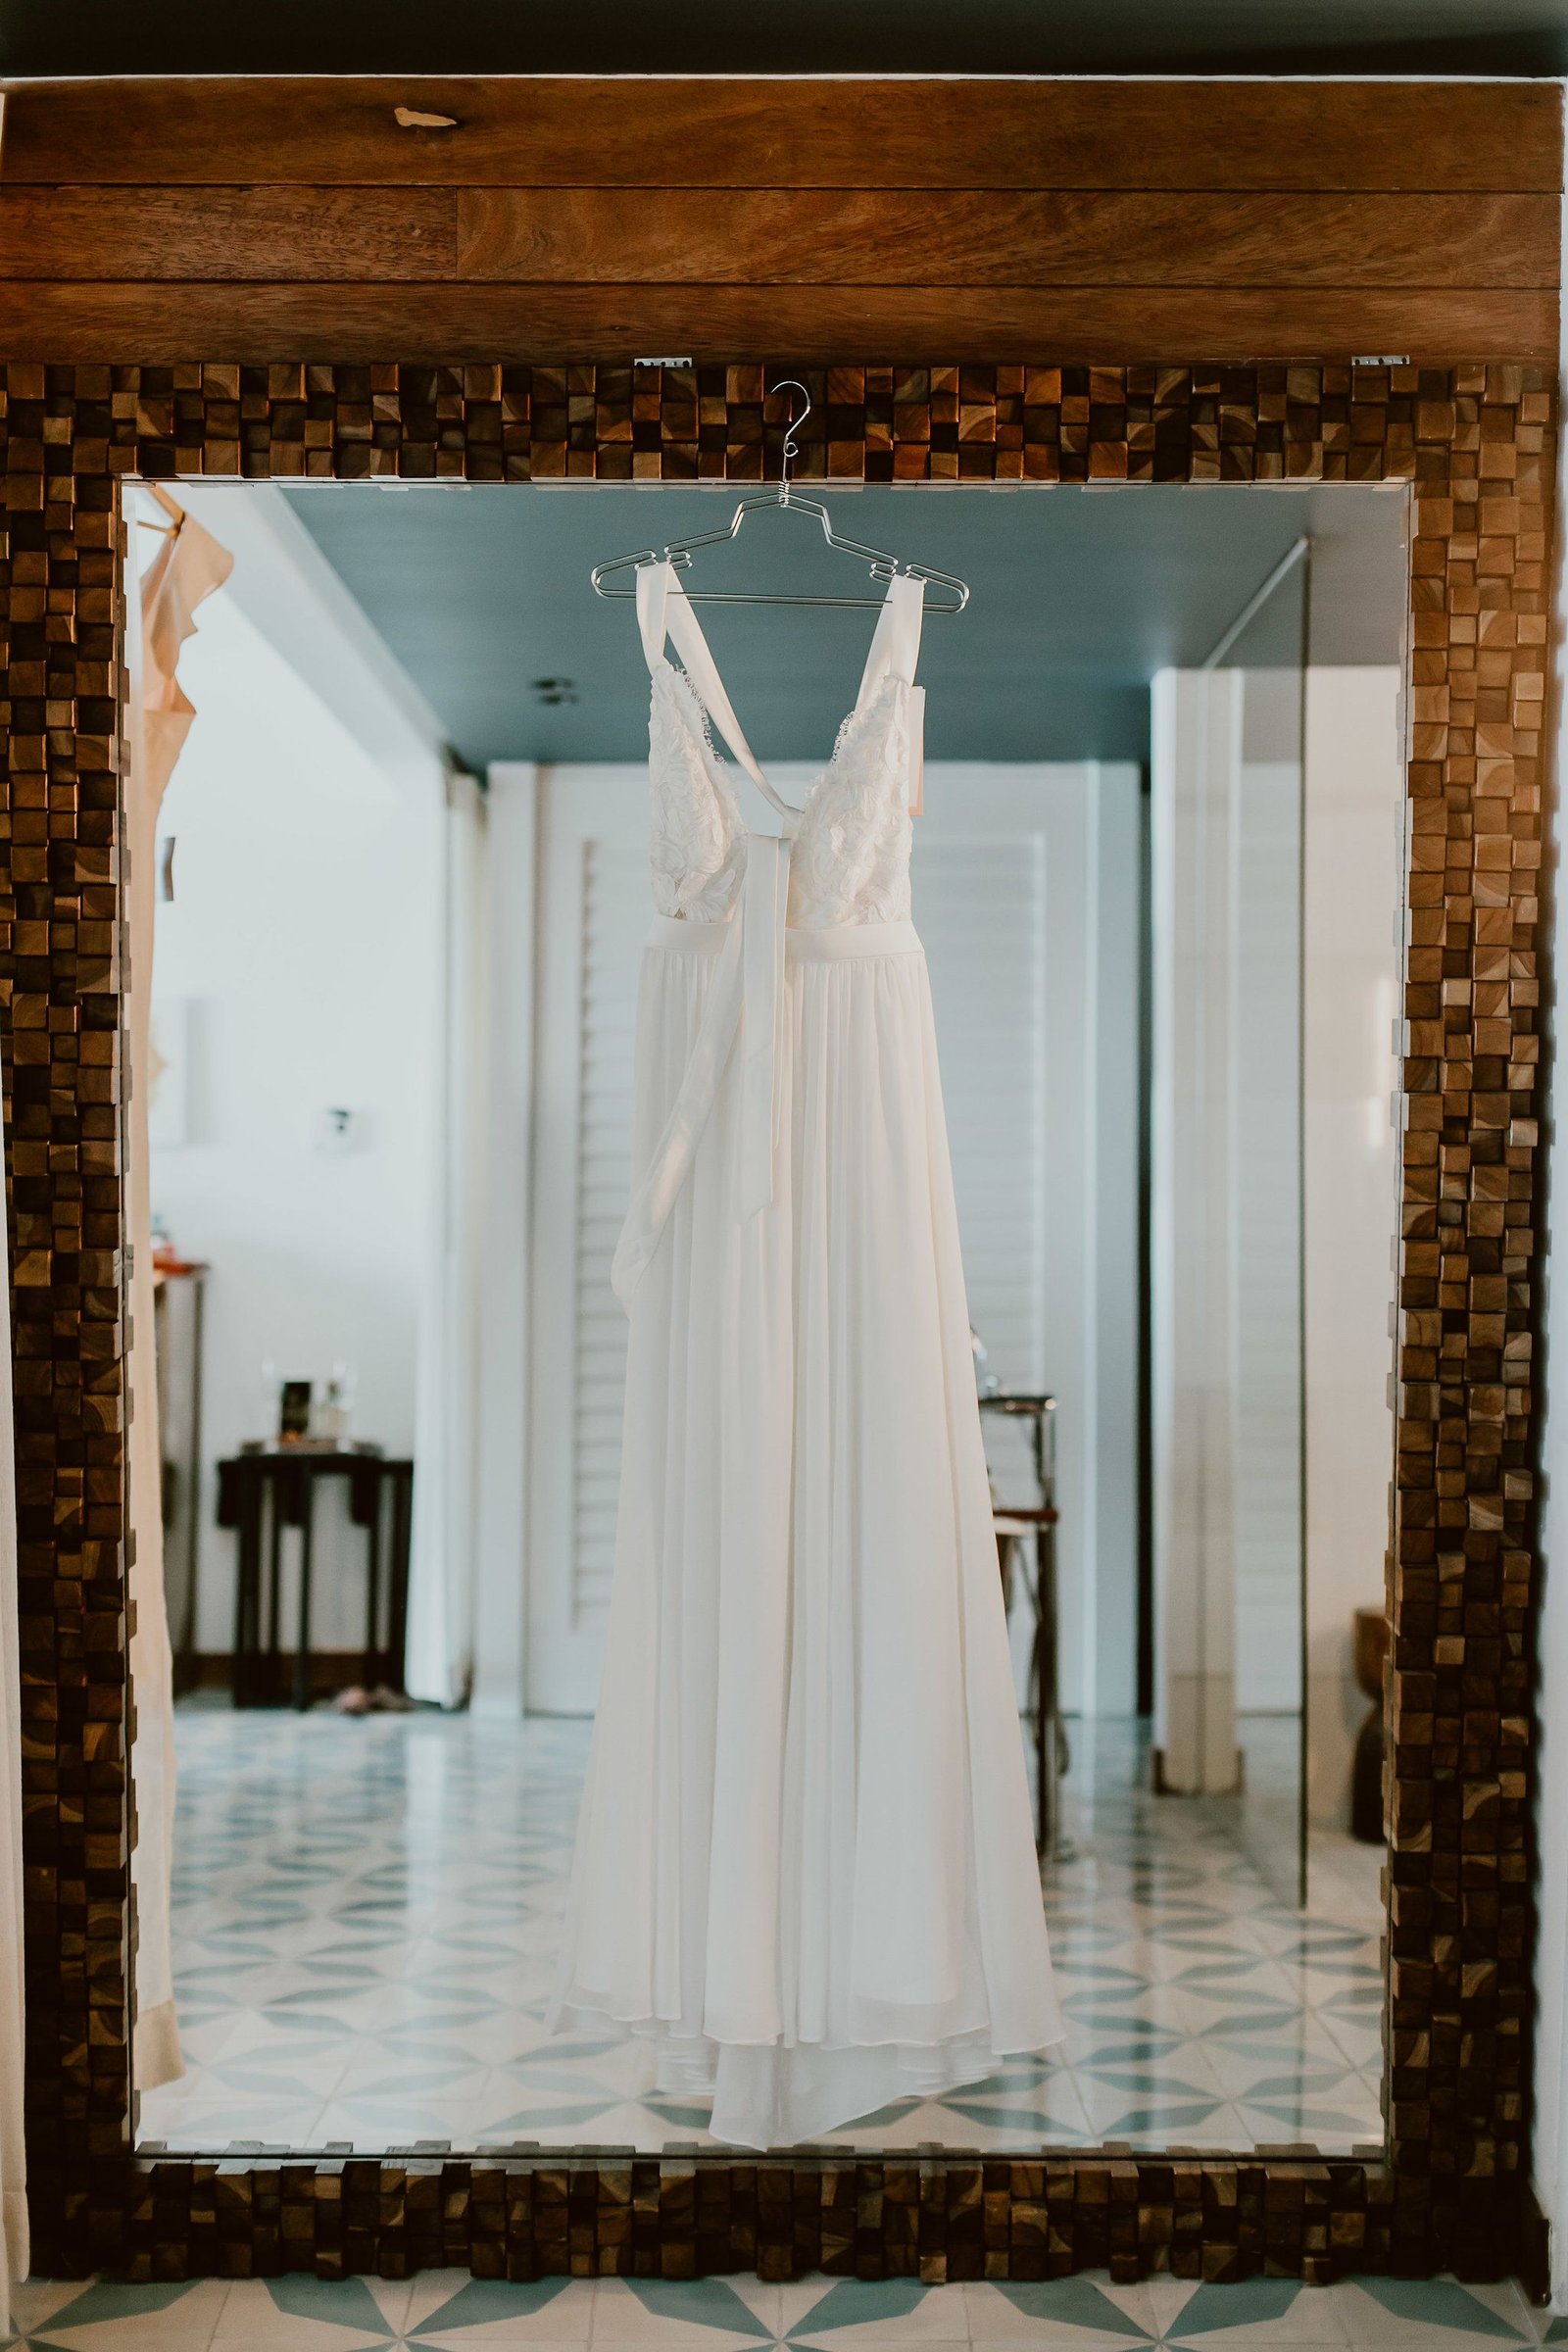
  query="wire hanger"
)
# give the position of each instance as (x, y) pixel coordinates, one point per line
(786, 499)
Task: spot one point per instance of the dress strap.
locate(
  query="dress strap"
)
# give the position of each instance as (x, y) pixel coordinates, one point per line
(653, 597)
(896, 643)
(663, 610)
(746, 999)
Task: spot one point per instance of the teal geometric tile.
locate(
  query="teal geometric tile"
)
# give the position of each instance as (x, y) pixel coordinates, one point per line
(487, 2302)
(1331, 2125)
(698, 2303)
(1171, 2120)
(343, 2302)
(106, 2299)
(1131, 2050)
(1163, 2084)
(527, 2122)
(686, 2120)
(1071, 2303)
(1435, 2306)
(1031, 2125)
(1249, 2303)
(174, 2316)
(869, 2302)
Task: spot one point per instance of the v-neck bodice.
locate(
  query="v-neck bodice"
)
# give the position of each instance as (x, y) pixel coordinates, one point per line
(850, 838)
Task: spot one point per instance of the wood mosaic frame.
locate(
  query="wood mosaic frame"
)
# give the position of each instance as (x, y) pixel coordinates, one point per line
(1449, 2188)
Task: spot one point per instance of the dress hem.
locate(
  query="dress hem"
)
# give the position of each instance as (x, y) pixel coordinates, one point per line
(806, 2089)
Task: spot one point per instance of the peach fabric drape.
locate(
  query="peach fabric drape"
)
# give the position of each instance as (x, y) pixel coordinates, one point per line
(189, 565)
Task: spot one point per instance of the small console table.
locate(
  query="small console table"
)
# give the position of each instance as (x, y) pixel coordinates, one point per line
(263, 1489)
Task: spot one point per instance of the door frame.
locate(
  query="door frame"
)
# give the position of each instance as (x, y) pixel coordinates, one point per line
(1448, 2188)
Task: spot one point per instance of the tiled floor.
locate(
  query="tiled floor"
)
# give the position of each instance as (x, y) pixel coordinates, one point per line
(446, 2310)
(366, 1913)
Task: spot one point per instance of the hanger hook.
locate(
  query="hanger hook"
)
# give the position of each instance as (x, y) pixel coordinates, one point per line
(792, 448)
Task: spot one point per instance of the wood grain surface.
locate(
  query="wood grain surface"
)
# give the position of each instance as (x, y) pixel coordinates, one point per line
(352, 322)
(661, 235)
(746, 134)
(1100, 220)
(1080, 237)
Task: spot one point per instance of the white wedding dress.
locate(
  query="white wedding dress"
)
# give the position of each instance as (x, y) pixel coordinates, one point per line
(804, 1865)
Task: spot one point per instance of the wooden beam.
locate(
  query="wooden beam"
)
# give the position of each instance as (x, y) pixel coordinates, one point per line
(1121, 133)
(282, 233)
(986, 237)
(605, 236)
(87, 321)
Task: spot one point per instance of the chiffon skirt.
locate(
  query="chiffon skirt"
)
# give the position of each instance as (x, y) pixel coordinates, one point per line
(804, 1865)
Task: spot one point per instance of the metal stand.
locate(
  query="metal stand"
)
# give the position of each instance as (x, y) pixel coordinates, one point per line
(1051, 1753)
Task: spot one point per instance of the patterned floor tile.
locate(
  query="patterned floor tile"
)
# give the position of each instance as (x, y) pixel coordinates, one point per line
(450, 2309)
(1271, 2311)
(446, 2311)
(218, 2124)
(857, 2312)
(647, 2315)
(173, 2318)
(1063, 2312)
(1350, 2117)
(1433, 2313)
(367, 1914)
(301, 2314)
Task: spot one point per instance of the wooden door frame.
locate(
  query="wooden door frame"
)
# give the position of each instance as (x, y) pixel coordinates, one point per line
(1448, 2190)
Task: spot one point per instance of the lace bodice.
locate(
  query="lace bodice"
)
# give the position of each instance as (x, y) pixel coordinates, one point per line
(850, 855)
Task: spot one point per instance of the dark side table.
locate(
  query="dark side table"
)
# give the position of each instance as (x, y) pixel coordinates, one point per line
(261, 1491)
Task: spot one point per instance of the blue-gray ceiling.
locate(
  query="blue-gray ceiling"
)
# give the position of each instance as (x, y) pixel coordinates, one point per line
(805, 36)
(1078, 596)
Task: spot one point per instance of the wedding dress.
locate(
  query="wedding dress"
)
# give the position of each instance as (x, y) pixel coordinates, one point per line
(805, 1864)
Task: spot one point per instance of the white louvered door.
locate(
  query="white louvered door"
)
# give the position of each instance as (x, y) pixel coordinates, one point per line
(981, 913)
(1025, 894)
(1026, 974)
(594, 908)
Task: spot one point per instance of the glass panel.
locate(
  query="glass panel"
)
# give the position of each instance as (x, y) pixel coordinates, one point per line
(1153, 878)
(1264, 665)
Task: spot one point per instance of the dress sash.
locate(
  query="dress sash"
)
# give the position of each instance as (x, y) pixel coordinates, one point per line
(747, 999)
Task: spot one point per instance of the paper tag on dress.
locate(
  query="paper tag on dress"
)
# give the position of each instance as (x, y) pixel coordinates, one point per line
(916, 750)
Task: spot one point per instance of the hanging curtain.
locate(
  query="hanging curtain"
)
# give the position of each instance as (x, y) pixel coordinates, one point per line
(439, 1657)
(13, 2161)
(187, 567)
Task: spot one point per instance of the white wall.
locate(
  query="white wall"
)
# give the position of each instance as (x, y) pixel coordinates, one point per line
(302, 936)
(1355, 812)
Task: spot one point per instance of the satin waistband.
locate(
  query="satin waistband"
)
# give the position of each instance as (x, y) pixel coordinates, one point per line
(800, 945)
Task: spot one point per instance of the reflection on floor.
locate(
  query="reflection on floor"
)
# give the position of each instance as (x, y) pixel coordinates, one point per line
(367, 1914)
(446, 2311)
